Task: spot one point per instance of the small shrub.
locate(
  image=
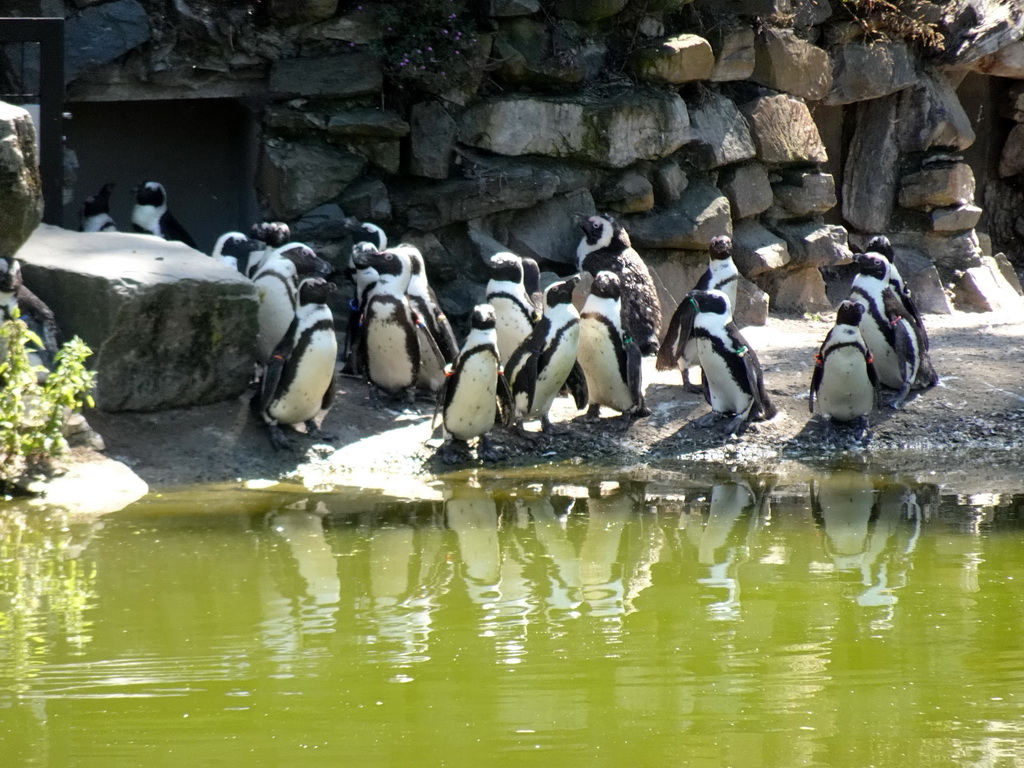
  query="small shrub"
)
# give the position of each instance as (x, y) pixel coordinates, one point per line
(33, 414)
(430, 42)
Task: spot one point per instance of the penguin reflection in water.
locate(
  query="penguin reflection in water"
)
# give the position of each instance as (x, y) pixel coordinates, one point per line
(733, 381)
(475, 394)
(299, 379)
(844, 379)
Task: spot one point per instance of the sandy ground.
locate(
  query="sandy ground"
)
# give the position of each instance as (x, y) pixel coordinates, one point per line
(969, 429)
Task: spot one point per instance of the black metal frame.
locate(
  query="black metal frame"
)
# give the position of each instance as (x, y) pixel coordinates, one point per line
(49, 33)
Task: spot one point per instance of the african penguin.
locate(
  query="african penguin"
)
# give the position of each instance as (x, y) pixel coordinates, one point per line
(542, 364)
(880, 244)
(239, 252)
(96, 211)
(733, 381)
(16, 300)
(299, 380)
(844, 380)
(364, 232)
(389, 353)
(475, 393)
(678, 349)
(426, 306)
(365, 278)
(605, 245)
(273, 233)
(611, 365)
(896, 342)
(514, 310)
(365, 237)
(151, 215)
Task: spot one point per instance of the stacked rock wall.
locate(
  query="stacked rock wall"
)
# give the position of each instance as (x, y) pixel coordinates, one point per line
(472, 126)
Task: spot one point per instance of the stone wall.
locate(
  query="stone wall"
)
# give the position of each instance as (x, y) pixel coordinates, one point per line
(472, 126)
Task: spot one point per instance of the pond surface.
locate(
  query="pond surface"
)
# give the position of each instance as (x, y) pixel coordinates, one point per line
(843, 620)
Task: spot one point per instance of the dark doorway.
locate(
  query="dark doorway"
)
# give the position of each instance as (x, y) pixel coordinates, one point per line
(201, 150)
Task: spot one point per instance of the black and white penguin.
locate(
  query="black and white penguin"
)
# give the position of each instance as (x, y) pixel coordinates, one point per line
(240, 252)
(476, 394)
(514, 308)
(273, 233)
(364, 277)
(611, 365)
(880, 244)
(542, 364)
(897, 343)
(390, 349)
(299, 380)
(16, 300)
(733, 381)
(96, 211)
(426, 306)
(151, 215)
(721, 275)
(844, 379)
(605, 245)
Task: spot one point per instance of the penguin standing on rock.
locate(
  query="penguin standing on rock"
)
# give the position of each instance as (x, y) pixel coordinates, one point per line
(605, 245)
(96, 211)
(844, 379)
(16, 300)
(896, 341)
(733, 381)
(610, 361)
(299, 380)
(475, 393)
(514, 311)
(150, 215)
(390, 349)
(546, 359)
(722, 275)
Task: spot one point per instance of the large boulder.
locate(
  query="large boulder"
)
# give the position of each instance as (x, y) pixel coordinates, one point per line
(296, 177)
(720, 134)
(872, 178)
(701, 213)
(613, 132)
(787, 63)
(680, 59)
(21, 193)
(784, 131)
(870, 70)
(101, 34)
(169, 327)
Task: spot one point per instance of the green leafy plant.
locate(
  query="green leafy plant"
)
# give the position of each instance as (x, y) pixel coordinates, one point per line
(429, 41)
(33, 414)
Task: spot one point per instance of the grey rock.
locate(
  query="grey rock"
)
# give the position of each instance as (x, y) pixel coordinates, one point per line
(1011, 159)
(751, 305)
(748, 189)
(630, 192)
(985, 289)
(669, 181)
(811, 244)
(367, 199)
(101, 34)
(720, 133)
(1008, 272)
(169, 327)
(367, 122)
(323, 222)
(614, 132)
(872, 168)
(862, 71)
(21, 192)
(783, 130)
(302, 11)
(924, 281)
(701, 213)
(357, 25)
(547, 231)
(1013, 106)
(757, 250)
(955, 218)
(511, 7)
(680, 59)
(949, 253)
(432, 140)
(385, 154)
(588, 10)
(931, 117)
(1006, 62)
(789, 64)
(533, 53)
(294, 178)
(935, 187)
(796, 291)
(801, 193)
(442, 265)
(349, 74)
(734, 53)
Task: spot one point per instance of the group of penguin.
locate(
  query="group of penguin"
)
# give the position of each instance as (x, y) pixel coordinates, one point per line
(524, 345)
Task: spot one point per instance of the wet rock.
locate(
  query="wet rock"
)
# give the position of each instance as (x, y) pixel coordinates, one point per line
(169, 327)
(955, 218)
(720, 134)
(783, 130)
(789, 64)
(614, 132)
(294, 178)
(631, 192)
(349, 74)
(862, 71)
(701, 213)
(21, 193)
(748, 189)
(985, 289)
(936, 187)
(757, 250)
(432, 140)
(734, 53)
(680, 59)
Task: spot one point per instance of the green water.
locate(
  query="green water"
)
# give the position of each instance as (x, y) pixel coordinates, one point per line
(838, 621)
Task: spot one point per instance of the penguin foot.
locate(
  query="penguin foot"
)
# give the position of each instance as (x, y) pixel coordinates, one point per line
(312, 430)
(551, 429)
(487, 450)
(738, 425)
(278, 438)
(708, 419)
(641, 411)
(593, 412)
(454, 452)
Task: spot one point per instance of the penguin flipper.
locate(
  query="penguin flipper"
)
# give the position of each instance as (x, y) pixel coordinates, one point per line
(506, 405)
(634, 372)
(328, 398)
(275, 367)
(819, 370)
(577, 383)
(680, 328)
